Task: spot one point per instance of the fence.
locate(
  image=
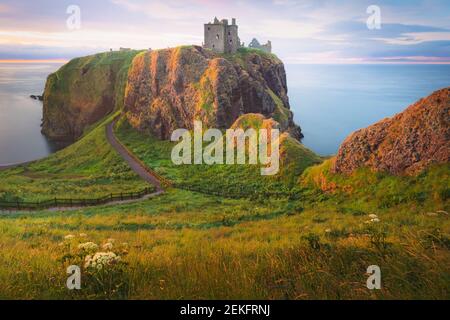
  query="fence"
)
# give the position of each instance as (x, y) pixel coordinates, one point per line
(70, 203)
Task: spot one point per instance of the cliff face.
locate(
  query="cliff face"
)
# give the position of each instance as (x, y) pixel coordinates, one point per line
(82, 92)
(165, 90)
(404, 144)
(168, 89)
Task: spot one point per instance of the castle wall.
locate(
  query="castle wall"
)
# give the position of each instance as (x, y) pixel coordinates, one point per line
(232, 39)
(215, 37)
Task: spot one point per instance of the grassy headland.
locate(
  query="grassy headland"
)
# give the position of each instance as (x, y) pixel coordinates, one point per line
(314, 243)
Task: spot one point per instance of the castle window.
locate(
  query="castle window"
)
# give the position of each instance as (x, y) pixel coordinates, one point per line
(217, 37)
(229, 33)
(231, 41)
(209, 28)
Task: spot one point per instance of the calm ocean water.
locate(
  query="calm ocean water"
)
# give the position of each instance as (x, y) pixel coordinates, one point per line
(20, 116)
(329, 102)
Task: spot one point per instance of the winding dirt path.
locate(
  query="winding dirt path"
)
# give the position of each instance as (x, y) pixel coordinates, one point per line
(135, 164)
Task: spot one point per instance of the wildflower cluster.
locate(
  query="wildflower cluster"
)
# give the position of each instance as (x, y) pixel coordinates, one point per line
(103, 267)
(101, 260)
(373, 219)
(88, 247)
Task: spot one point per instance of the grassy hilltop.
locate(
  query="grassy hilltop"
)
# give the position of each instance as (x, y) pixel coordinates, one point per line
(314, 239)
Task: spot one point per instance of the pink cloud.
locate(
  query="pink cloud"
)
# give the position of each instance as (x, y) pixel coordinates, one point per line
(4, 8)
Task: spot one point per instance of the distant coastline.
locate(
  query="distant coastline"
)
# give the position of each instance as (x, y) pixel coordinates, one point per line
(14, 61)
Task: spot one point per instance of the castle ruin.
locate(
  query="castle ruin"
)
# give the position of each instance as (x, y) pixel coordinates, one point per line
(264, 47)
(222, 37)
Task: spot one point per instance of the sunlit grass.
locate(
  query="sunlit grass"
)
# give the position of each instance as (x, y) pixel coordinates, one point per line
(185, 245)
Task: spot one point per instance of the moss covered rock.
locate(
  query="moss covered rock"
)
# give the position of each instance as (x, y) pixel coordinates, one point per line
(83, 92)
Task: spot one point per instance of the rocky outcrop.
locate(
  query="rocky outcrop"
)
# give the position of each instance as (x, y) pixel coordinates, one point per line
(164, 90)
(83, 92)
(404, 144)
(167, 89)
(37, 97)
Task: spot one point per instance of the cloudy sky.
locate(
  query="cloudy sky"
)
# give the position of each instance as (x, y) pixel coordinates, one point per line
(302, 31)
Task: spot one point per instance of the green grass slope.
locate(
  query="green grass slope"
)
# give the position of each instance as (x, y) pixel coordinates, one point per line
(366, 191)
(231, 180)
(90, 168)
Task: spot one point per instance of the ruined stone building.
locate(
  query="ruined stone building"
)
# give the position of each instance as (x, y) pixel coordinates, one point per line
(265, 47)
(222, 37)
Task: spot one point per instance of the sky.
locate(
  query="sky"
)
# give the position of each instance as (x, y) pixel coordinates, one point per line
(301, 31)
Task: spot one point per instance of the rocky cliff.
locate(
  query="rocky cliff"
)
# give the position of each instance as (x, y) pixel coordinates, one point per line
(82, 92)
(168, 89)
(404, 144)
(164, 90)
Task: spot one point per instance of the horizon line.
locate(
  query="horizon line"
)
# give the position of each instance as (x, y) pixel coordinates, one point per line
(34, 60)
(64, 60)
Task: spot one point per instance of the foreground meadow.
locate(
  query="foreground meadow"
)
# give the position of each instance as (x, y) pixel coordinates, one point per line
(313, 239)
(186, 245)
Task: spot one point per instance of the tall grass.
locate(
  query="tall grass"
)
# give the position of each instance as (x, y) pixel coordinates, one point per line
(184, 245)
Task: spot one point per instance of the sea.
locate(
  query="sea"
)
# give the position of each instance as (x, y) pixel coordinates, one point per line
(329, 102)
(332, 101)
(20, 116)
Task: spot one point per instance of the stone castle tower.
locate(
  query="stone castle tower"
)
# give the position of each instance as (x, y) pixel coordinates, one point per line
(222, 37)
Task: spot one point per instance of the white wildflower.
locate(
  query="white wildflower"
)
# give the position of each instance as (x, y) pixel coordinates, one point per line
(328, 231)
(375, 220)
(88, 246)
(83, 235)
(373, 216)
(101, 260)
(69, 237)
(111, 240)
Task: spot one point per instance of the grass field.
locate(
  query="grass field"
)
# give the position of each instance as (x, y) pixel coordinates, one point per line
(188, 245)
